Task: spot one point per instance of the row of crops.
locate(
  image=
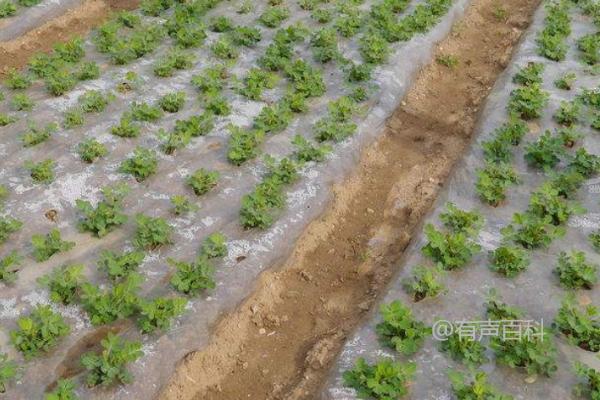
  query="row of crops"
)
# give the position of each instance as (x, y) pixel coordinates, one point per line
(527, 196)
(168, 123)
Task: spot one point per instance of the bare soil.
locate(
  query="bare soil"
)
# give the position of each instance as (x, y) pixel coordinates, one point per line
(77, 21)
(281, 341)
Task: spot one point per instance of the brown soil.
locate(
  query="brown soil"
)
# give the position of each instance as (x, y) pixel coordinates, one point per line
(77, 21)
(280, 343)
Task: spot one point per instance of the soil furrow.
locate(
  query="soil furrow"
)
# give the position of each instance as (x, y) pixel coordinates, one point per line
(281, 341)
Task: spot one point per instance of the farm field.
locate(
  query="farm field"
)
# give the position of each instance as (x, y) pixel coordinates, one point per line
(208, 199)
(511, 256)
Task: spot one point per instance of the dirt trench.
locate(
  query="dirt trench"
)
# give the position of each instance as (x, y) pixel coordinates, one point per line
(77, 21)
(282, 340)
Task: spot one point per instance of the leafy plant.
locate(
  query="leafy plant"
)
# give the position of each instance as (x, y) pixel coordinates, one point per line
(41, 172)
(217, 104)
(305, 79)
(272, 119)
(509, 260)
(203, 181)
(214, 246)
(567, 182)
(322, 15)
(173, 140)
(424, 282)
(182, 205)
(196, 125)
(528, 101)
(224, 49)
(126, 128)
(108, 305)
(259, 206)
(574, 272)
(447, 60)
(175, 59)
(399, 330)
(221, 23)
(359, 72)
(568, 113)
(8, 226)
(70, 51)
(306, 152)
(497, 150)
(7, 9)
(464, 349)
(348, 24)
(569, 136)
(9, 267)
(243, 144)
(141, 165)
(211, 80)
(90, 150)
(145, 112)
(566, 81)
(193, 278)
(530, 74)
(449, 250)
(45, 246)
(151, 232)
(493, 180)
(329, 129)
(324, 44)
(65, 390)
(63, 283)
(158, 313)
(374, 48)
(172, 102)
(256, 81)
(39, 332)
(245, 36)
(119, 266)
(130, 82)
(93, 101)
(385, 379)
(108, 213)
(531, 231)
(545, 152)
(7, 119)
(36, 135)
(8, 371)
(110, 365)
(22, 102)
(274, 16)
(474, 388)
(457, 220)
(580, 326)
(594, 239)
(535, 352)
(551, 40)
(585, 163)
(88, 71)
(589, 48)
(17, 80)
(590, 387)
(73, 118)
(60, 82)
(546, 202)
